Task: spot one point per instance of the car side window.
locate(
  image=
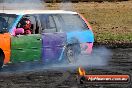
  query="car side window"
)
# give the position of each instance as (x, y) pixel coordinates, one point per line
(29, 22)
(51, 22)
(48, 23)
(58, 22)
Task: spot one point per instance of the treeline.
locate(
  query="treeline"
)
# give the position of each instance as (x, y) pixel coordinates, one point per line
(75, 1)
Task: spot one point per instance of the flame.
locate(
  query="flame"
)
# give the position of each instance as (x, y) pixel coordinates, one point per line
(81, 71)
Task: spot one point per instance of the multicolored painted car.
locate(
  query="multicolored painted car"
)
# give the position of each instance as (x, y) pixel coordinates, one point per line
(56, 35)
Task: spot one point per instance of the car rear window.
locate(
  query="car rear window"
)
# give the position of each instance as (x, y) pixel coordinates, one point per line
(73, 22)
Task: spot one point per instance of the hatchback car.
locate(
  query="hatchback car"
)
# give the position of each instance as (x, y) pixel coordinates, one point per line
(43, 35)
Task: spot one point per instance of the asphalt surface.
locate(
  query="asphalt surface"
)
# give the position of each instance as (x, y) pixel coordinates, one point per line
(32, 75)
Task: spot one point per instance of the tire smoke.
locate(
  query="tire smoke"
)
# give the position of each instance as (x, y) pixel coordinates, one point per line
(99, 57)
(22, 4)
(66, 5)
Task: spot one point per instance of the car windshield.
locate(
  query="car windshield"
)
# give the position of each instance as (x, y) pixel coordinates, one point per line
(73, 22)
(6, 22)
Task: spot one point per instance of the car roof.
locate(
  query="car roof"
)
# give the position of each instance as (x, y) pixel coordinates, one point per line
(22, 12)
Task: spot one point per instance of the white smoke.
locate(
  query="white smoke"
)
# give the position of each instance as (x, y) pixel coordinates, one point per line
(22, 4)
(99, 57)
(66, 6)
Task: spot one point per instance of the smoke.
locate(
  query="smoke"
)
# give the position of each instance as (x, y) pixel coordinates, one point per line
(23, 4)
(99, 57)
(67, 5)
(32, 5)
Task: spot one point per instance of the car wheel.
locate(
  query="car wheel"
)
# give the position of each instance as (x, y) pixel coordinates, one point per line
(72, 52)
(70, 55)
(1, 59)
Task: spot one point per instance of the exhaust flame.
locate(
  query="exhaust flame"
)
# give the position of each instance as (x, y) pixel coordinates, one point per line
(81, 71)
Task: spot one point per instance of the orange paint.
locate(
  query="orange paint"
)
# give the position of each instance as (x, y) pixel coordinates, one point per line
(5, 40)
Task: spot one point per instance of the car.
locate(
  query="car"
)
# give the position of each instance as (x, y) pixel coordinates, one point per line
(48, 36)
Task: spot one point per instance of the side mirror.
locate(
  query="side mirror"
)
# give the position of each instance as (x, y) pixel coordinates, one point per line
(19, 31)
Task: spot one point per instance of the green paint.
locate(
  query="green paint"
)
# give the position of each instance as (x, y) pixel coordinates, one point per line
(26, 47)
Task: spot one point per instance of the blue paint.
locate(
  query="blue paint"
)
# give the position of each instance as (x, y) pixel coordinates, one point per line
(62, 53)
(15, 23)
(82, 36)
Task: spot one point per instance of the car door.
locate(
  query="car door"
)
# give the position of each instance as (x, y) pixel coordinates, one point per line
(52, 40)
(26, 47)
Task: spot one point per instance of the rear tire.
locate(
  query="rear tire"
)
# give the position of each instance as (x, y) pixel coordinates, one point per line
(72, 52)
(1, 59)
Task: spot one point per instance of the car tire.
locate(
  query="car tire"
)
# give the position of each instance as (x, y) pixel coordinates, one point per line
(72, 52)
(1, 59)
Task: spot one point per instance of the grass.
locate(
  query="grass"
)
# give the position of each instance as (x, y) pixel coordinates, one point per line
(111, 21)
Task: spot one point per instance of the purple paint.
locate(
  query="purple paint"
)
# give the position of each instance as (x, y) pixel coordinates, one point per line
(53, 44)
